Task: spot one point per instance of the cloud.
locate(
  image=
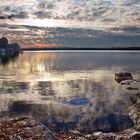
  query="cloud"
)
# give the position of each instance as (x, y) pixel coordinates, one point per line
(16, 2)
(18, 9)
(116, 12)
(130, 29)
(97, 10)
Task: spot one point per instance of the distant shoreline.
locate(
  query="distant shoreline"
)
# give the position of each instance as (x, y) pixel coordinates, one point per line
(82, 49)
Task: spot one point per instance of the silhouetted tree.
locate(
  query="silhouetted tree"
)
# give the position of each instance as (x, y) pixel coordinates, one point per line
(3, 42)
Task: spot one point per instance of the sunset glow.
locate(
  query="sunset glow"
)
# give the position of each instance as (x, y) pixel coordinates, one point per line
(39, 45)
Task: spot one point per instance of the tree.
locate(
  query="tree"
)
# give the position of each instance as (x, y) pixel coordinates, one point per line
(3, 42)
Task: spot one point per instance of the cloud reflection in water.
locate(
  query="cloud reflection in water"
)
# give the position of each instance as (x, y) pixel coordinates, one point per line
(69, 90)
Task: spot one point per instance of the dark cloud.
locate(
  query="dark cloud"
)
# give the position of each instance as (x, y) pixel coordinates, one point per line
(21, 15)
(40, 14)
(109, 20)
(44, 5)
(130, 29)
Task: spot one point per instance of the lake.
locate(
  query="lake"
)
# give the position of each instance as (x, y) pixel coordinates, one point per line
(69, 90)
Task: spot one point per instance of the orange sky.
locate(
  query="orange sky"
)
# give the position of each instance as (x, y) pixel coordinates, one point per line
(39, 45)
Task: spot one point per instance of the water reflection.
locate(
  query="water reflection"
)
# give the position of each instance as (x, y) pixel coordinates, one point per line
(69, 90)
(7, 58)
(77, 101)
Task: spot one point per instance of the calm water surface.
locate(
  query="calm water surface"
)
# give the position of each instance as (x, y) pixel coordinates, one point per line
(69, 90)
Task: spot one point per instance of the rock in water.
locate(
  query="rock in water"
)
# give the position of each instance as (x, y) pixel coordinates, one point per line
(134, 112)
(135, 98)
(122, 76)
(24, 128)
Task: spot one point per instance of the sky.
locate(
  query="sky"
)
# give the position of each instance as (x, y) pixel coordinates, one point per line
(112, 23)
(100, 13)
